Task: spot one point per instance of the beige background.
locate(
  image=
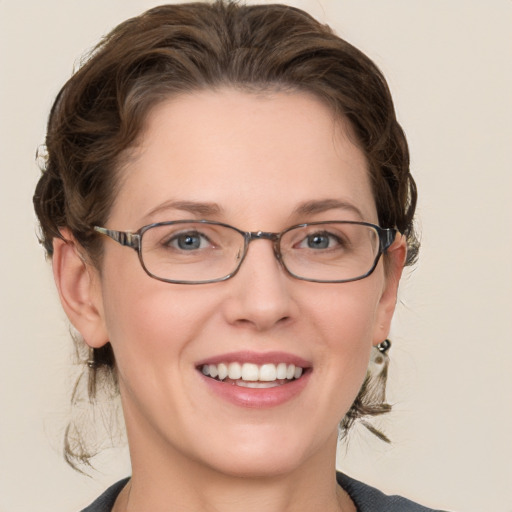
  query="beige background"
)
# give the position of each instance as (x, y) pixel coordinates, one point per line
(449, 67)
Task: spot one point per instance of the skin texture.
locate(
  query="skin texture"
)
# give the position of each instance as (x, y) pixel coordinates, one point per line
(250, 160)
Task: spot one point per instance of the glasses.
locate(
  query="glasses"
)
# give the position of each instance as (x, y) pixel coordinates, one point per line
(198, 252)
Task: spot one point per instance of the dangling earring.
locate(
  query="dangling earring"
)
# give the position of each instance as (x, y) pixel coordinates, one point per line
(91, 363)
(379, 357)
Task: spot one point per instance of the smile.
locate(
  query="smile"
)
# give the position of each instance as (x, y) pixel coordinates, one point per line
(252, 375)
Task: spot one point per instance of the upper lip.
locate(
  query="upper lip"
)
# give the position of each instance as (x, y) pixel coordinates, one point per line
(258, 358)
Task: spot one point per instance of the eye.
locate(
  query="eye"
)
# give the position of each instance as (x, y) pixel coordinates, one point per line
(188, 241)
(320, 240)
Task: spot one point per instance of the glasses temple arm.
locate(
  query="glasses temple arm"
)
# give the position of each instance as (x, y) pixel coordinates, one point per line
(122, 237)
(387, 238)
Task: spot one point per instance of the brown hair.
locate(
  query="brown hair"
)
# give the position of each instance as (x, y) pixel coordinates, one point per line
(172, 49)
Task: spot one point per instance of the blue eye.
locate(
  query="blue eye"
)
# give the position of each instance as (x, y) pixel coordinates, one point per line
(320, 240)
(188, 241)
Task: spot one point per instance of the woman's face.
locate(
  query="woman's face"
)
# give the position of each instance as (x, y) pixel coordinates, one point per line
(258, 162)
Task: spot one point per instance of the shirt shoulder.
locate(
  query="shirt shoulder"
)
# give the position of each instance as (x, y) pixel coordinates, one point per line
(106, 501)
(369, 499)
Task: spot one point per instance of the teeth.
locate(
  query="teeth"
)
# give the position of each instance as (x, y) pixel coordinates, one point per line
(259, 385)
(249, 372)
(268, 373)
(223, 371)
(234, 371)
(213, 371)
(253, 375)
(281, 371)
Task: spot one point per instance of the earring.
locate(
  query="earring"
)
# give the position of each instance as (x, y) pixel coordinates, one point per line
(379, 358)
(373, 401)
(384, 346)
(91, 363)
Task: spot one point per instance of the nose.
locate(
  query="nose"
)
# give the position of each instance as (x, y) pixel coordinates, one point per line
(260, 293)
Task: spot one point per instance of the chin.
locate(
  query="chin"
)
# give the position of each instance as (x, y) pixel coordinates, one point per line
(264, 454)
(260, 467)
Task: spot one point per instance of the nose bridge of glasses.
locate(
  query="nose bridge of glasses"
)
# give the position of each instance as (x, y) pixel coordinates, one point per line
(263, 235)
(266, 235)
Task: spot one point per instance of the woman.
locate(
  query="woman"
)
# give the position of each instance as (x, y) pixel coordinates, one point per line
(228, 206)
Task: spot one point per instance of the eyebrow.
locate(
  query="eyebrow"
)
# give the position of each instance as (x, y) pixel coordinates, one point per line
(324, 205)
(195, 208)
(206, 210)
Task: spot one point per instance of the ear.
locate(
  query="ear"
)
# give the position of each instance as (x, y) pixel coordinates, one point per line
(396, 256)
(79, 289)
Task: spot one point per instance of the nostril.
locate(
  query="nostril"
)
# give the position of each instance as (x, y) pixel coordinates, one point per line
(252, 321)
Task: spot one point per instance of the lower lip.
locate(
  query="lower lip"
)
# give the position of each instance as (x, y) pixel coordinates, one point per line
(257, 397)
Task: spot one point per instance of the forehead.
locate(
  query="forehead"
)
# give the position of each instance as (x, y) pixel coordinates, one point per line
(251, 154)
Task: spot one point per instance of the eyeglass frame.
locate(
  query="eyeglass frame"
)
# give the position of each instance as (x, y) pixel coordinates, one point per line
(133, 239)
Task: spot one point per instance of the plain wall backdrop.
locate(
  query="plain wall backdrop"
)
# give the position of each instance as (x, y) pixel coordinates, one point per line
(448, 63)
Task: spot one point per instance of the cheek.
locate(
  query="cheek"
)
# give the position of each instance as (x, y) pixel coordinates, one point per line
(153, 335)
(154, 319)
(146, 319)
(345, 316)
(347, 313)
